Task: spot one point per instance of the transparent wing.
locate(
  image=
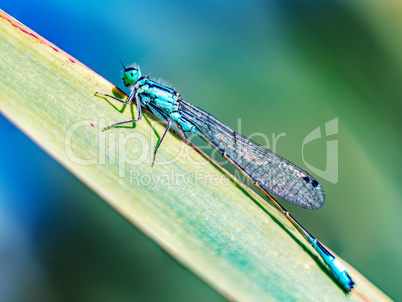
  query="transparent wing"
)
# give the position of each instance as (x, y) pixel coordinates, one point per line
(273, 173)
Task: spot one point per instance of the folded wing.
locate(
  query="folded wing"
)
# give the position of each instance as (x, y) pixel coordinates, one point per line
(273, 173)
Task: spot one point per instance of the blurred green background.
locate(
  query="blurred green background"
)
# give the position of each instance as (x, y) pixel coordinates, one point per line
(282, 67)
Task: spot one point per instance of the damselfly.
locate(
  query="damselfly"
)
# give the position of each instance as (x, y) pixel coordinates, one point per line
(268, 171)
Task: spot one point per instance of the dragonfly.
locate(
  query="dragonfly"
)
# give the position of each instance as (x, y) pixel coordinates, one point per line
(267, 171)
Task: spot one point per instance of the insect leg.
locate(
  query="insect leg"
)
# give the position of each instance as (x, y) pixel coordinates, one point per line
(169, 124)
(132, 96)
(109, 96)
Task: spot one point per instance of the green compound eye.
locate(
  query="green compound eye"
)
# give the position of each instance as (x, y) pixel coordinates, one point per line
(131, 75)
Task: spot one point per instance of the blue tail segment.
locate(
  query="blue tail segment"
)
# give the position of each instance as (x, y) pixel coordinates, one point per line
(337, 269)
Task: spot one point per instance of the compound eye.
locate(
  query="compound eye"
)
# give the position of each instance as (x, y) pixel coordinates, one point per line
(131, 75)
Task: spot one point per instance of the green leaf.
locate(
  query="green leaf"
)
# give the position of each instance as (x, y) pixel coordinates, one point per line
(210, 222)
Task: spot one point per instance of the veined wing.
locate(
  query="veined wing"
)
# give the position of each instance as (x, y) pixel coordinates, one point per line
(273, 173)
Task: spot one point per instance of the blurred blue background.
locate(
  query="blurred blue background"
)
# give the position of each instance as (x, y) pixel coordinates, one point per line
(282, 67)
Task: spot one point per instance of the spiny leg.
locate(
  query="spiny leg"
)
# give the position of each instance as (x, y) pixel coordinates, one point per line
(169, 124)
(109, 96)
(125, 122)
(128, 101)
